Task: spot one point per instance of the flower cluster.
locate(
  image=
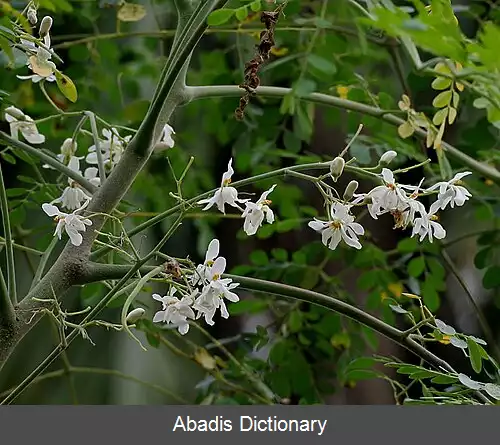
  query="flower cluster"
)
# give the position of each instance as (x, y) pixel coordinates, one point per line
(254, 212)
(207, 292)
(399, 200)
(39, 55)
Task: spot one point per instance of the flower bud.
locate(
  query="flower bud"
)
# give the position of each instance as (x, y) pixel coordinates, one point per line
(16, 113)
(31, 14)
(387, 157)
(68, 147)
(135, 315)
(337, 167)
(350, 190)
(45, 26)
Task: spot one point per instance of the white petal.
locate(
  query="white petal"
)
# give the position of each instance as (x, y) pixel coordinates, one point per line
(52, 210)
(74, 236)
(334, 242)
(213, 250)
(317, 225)
(219, 266)
(388, 176)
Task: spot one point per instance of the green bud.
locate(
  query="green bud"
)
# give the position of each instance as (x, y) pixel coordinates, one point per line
(350, 190)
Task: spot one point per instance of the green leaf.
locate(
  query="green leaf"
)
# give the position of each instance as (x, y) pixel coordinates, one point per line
(247, 307)
(9, 158)
(441, 83)
(416, 267)
(153, 339)
(356, 375)
(7, 49)
(430, 295)
(241, 13)
(15, 192)
(292, 142)
(280, 254)
(66, 86)
(474, 355)
(259, 258)
(482, 258)
(295, 321)
(255, 6)
(408, 245)
(442, 99)
(440, 116)
(398, 309)
(443, 379)
(321, 64)
(491, 278)
(220, 16)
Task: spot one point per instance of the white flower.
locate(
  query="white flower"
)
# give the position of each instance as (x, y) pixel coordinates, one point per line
(225, 194)
(67, 151)
(175, 311)
(39, 61)
(426, 225)
(213, 294)
(450, 193)
(111, 148)
(254, 213)
(202, 272)
(71, 223)
(341, 226)
(406, 212)
(387, 197)
(91, 175)
(165, 140)
(73, 196)
(20, 122)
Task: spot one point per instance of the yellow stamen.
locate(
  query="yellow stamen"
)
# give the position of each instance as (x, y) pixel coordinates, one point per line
(335, 225)
(434, 218)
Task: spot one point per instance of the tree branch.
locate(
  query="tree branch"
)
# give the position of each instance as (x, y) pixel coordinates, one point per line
(212, 91)
(70, 267)
(98, 272)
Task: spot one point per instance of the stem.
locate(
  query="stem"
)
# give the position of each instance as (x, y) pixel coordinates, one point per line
(479, 313)
(9, 250)
(102, 371)
(211, 91)
(339, 306)
(88, 186)
(173, 210)
(43, 262)
(240, 30)
(95, 134)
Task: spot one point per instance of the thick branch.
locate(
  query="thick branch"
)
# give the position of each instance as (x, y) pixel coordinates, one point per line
(98, 271)
(70, 266)
(199, 92)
